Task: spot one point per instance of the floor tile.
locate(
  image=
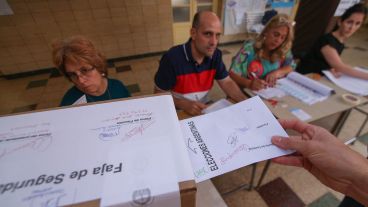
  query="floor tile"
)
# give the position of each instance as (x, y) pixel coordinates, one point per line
(37, 83)
(133, 88)
(364, 139)
(245, 198)
(327, 200)
(123, 68)
(277, 193)
(299, 179)
(25, 108)
(233, 180)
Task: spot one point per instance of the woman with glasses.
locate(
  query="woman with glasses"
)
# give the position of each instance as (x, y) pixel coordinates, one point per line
(86, 68)
(259, 64)
(325, 54)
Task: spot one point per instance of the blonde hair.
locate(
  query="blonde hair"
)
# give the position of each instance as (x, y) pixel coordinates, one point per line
(280, 52)
(77, 49)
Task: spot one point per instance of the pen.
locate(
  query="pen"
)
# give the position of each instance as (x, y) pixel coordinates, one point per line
(253, 75)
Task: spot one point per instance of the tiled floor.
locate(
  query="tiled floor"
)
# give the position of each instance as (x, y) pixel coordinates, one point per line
(282, 186)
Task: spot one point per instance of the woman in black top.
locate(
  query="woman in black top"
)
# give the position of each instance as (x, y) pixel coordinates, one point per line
(325, 54)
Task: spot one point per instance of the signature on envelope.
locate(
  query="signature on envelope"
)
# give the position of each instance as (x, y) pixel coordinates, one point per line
(38, 143)
(138, 130)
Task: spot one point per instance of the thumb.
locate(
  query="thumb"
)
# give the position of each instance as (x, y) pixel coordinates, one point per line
(201, 105)
(292, 142)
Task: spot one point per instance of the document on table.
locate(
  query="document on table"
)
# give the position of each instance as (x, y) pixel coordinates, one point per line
(231, 138)
(270, 92)
(220, 104)
(300, 87)
(354, 85)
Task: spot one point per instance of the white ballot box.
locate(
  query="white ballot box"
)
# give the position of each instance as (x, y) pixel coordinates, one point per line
(127, 153)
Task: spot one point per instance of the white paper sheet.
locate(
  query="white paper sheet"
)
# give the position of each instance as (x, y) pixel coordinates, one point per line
(231, 138)
(81, 100)
(300, 114)
(270, 92)
(220, 104)
(71, 155)
(344, 5)
(303, 88)
(354, 85)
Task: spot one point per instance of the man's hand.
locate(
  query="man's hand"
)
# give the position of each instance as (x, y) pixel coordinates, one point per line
(193, 108)
(231, 89)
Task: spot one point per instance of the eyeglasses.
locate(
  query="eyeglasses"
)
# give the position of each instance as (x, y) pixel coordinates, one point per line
(83, 72)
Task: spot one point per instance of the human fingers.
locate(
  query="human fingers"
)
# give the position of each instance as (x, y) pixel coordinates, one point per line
(255, 85)
(290, 160)
(271, 79)
(194, 112)
(261, 84)
(194, 109)
(294, 124)
(201, 105)
(271, 76)
(290, 143)
(335, 73)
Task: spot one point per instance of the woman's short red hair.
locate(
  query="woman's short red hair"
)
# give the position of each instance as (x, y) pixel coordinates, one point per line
(77, 49)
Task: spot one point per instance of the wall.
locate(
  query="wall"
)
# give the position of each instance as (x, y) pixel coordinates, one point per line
(117, 27)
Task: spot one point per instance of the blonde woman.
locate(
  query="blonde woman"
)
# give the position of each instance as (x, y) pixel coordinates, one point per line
(260, 63)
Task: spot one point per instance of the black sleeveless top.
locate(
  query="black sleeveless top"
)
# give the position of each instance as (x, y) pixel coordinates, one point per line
(314, 61)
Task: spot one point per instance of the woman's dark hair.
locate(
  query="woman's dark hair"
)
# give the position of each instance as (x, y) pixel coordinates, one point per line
(356, 8)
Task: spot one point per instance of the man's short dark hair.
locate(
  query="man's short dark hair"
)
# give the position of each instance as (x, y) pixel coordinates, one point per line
(196, 20)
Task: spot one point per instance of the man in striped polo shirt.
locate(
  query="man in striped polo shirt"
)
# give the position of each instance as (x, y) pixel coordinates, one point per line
(188, 70)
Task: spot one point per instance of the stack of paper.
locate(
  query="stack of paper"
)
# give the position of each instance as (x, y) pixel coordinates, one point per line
(301, 87)
(354, 85)
(270, 93)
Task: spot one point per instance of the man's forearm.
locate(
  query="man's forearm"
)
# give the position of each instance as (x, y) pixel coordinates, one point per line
(242, 82)
(233, 91)
(180, 102)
